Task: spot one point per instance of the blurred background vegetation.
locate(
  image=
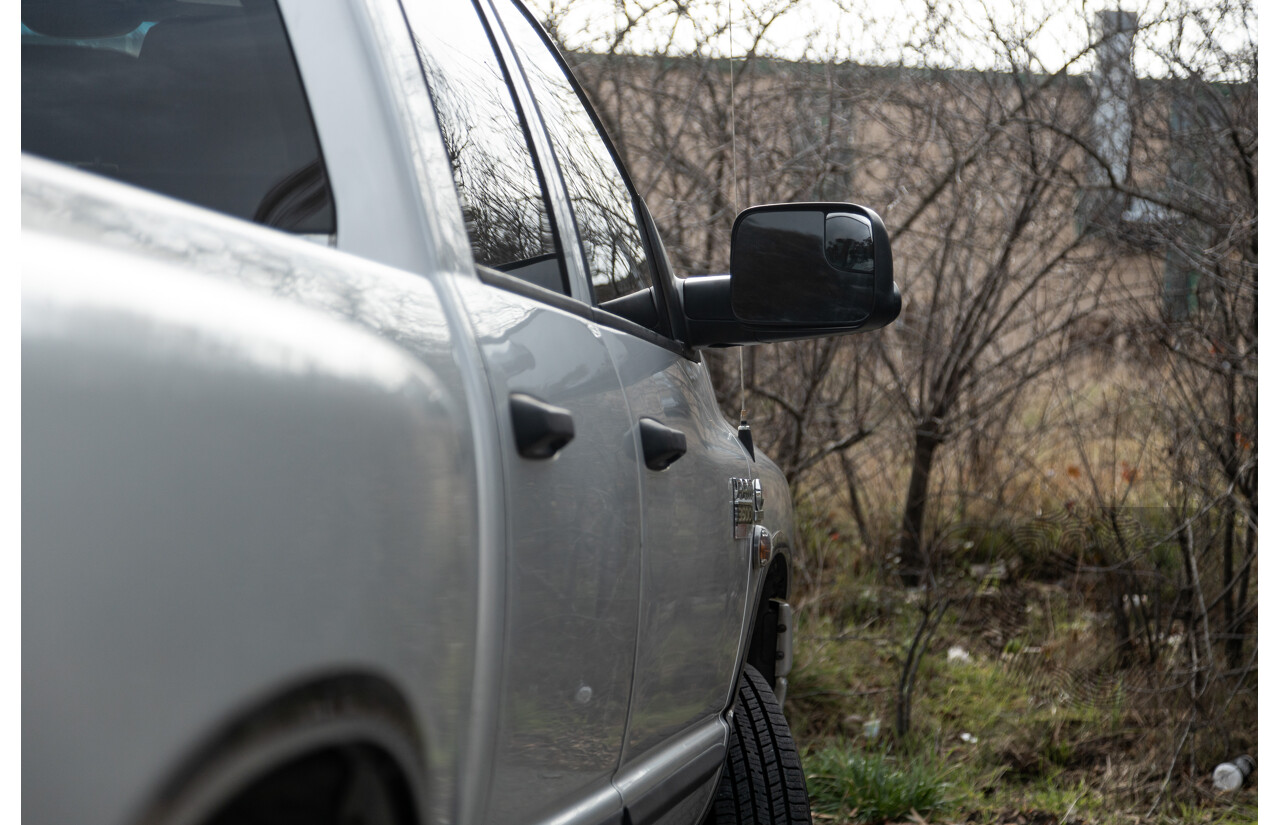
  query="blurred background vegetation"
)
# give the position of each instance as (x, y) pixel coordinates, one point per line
(1026, 579)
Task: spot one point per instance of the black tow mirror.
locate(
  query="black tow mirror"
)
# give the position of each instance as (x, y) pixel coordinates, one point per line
(821, 264)
(797, 271)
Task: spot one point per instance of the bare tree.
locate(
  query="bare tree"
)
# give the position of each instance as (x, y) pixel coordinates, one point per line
(998, 275)
(705, 136)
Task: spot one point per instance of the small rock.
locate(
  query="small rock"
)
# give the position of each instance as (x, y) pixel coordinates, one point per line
(983, 572)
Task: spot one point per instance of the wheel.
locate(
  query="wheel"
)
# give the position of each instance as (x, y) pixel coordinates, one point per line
(350, 785)
(336, 752)
(762, 782)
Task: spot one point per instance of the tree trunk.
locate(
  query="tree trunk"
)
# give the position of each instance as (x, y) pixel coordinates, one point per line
(913, 560)
(1229, 571)
(1236, 630)
(855, 507)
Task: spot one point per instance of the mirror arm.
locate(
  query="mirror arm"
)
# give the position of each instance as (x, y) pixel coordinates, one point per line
(710, 321)
(708, 315)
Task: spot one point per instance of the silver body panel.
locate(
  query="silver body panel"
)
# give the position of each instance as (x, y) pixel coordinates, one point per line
(252, 462)
(573, 559)
(248, 461)
(694, 592)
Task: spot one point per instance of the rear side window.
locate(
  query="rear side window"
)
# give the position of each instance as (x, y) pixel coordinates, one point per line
(603, 204)
(198, 100)
(503, 194)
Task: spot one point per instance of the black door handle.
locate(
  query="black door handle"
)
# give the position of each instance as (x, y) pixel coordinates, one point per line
(662, 445)
(542, 429)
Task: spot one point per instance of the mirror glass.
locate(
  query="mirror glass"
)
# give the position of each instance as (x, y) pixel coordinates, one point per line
(849, 243)
(803, 267)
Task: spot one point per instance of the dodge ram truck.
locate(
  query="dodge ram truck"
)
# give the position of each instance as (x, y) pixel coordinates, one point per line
(371, 471)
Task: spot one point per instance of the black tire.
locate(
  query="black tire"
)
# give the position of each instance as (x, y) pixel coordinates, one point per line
(763, 782)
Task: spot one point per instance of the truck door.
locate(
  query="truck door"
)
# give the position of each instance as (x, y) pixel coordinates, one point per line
(568, 467)
(695, 573)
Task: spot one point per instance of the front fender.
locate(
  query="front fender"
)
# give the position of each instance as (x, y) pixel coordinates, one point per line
(767, 637)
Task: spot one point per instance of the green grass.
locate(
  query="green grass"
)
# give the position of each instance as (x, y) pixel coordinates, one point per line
(1002, 734)
(1242, 812)
(871, 786)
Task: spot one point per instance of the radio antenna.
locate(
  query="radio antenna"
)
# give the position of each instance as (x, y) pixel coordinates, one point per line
(733, 121)
(744, 429)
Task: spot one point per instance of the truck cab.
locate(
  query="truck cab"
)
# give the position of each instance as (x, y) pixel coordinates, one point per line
(370, 459)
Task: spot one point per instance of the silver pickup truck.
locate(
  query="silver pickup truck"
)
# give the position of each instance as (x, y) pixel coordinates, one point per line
(371, 471)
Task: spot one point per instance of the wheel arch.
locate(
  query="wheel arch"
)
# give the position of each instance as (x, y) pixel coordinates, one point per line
(775, 587)
(340, 712)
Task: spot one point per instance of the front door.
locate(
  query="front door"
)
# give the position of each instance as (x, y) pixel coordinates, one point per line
(695, 573)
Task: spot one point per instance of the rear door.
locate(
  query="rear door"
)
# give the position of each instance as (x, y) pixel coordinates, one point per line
(695, 574)
(568, 464)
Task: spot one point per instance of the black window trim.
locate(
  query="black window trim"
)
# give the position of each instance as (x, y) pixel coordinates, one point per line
(666, 278)
(573, 306)
(311, 121)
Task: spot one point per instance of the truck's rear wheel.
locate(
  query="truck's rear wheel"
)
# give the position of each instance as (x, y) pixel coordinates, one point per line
(762, 782)
(351, 785)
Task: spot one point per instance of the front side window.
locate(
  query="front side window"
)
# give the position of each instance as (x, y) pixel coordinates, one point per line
(197, 100)
(503, 198)
(603, 205)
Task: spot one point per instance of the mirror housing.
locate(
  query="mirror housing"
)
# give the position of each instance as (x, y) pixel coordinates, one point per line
(801, 270)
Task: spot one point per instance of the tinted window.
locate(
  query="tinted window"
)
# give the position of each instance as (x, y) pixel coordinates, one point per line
(503, 199)
(602, 202)
(201, 101)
